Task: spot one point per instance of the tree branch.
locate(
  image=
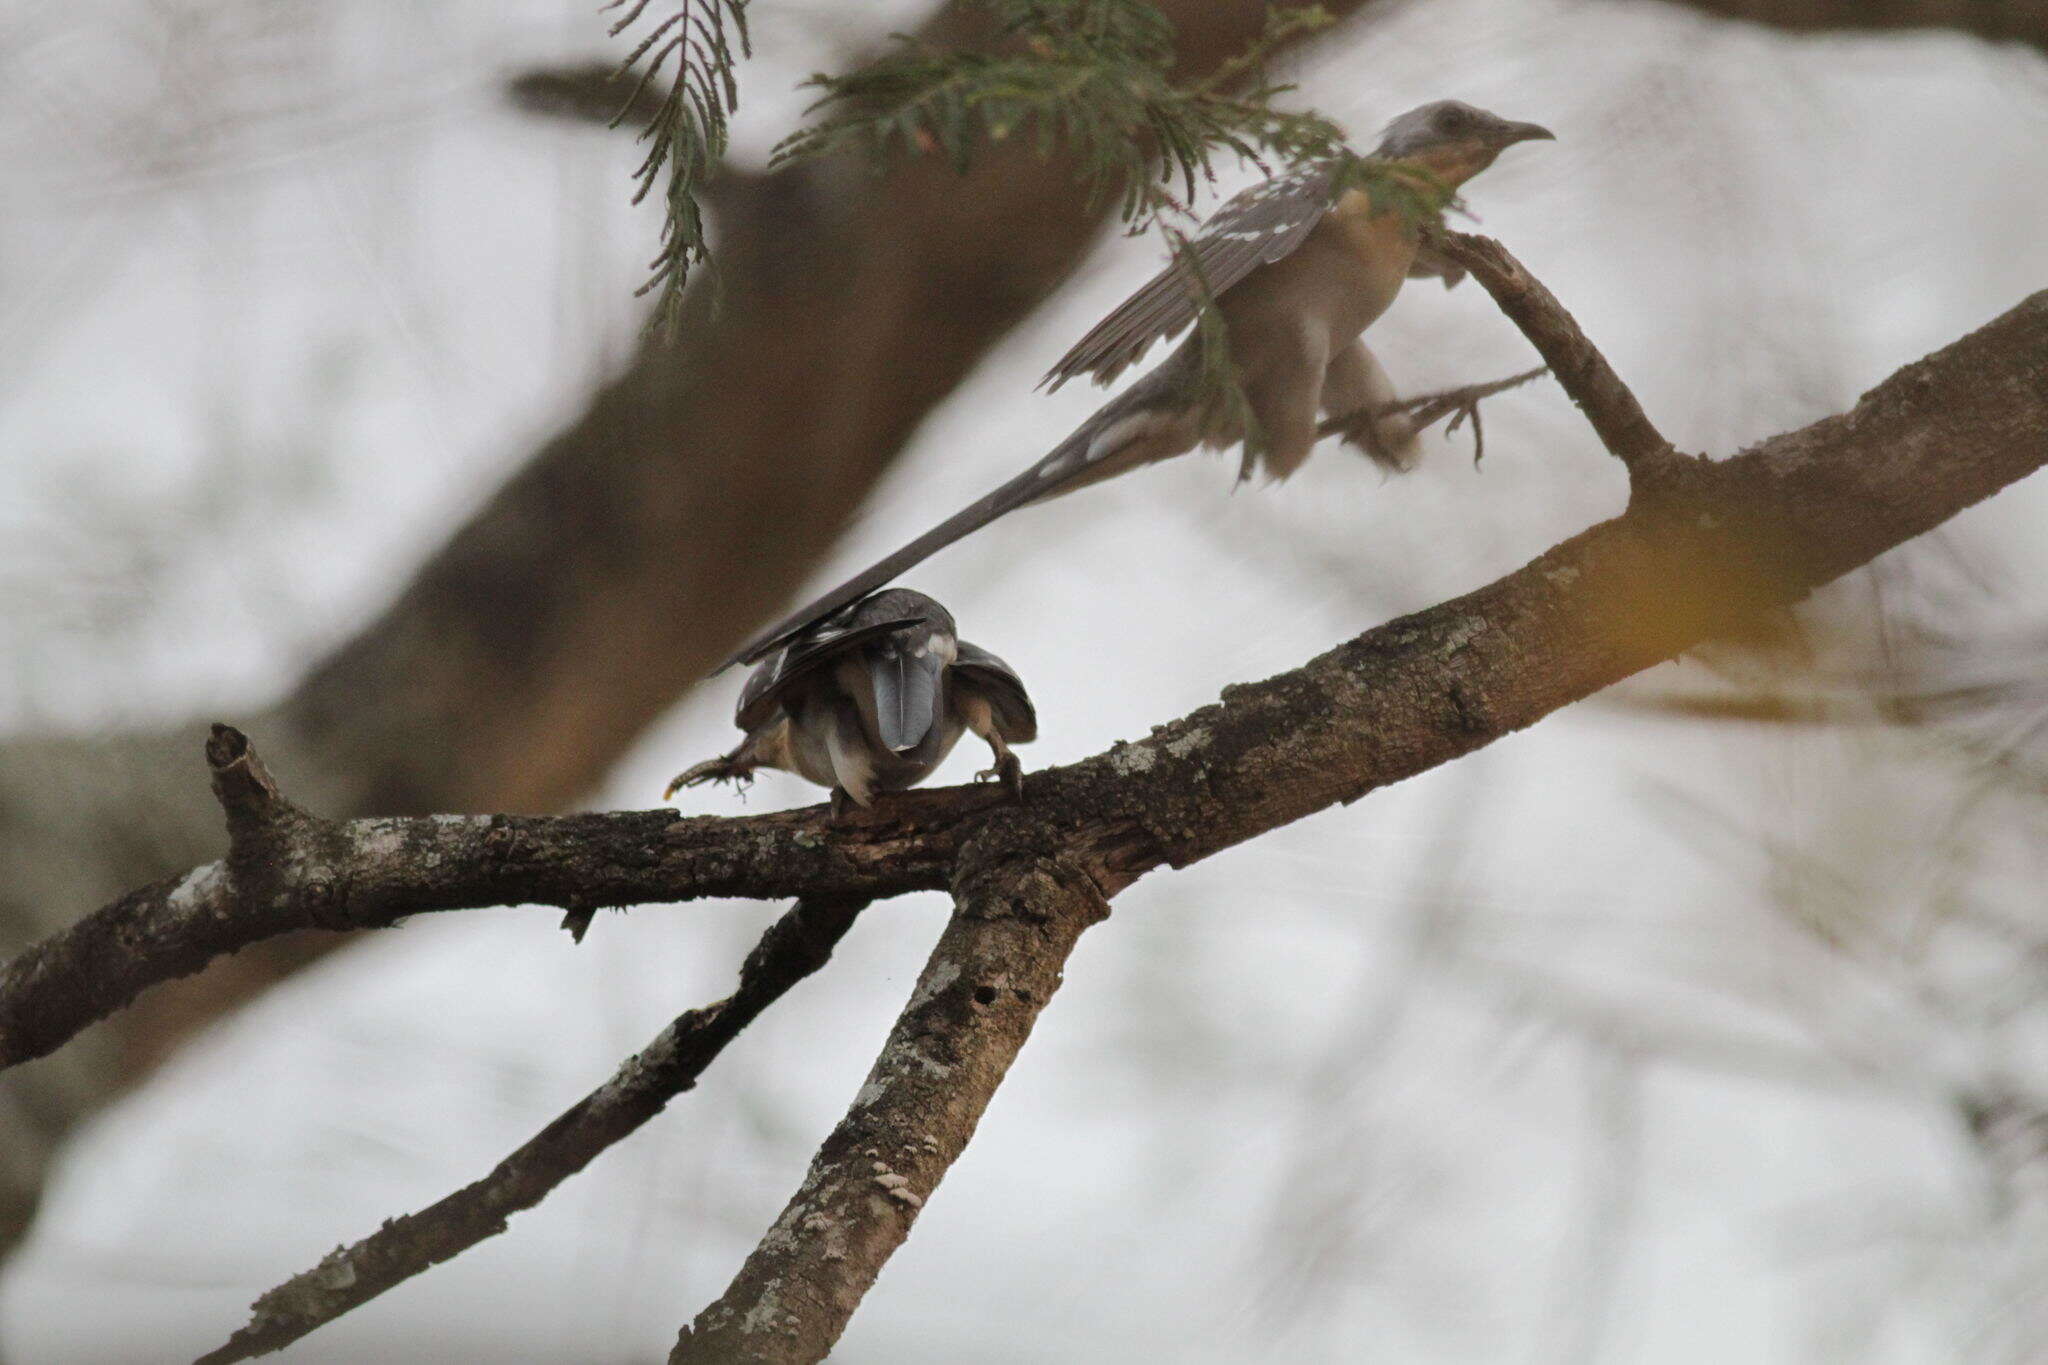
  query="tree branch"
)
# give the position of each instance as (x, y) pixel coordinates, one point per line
(1762, 528)
(619, 562)
(1758, 530)
(795, 946)
(1618, 419)
(993, 971)
(1463, 667)
(287, 870)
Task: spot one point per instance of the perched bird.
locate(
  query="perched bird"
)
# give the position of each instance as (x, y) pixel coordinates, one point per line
(871, 699)
(1298, 265)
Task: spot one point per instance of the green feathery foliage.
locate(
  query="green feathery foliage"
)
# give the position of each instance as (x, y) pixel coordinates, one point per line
(1418, 195)
(1088, 78)
(1092, 78)
(688, 133)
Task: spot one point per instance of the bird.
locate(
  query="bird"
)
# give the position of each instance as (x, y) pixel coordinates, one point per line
(1298, 266)
(871, 698)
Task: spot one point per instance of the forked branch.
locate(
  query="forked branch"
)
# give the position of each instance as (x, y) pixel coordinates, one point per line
(1757, 530)
(795, 946)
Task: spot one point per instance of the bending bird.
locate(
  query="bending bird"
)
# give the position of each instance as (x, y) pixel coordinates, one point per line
(1298, 266)
(871, 699)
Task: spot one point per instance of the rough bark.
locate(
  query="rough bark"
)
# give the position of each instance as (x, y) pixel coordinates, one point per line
(993, 971)
(287, 871)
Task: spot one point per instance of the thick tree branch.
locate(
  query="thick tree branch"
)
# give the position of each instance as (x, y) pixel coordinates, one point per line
(287, 870)
(795, 946)
(800, 1287)
(1759, 529)
(993, 971)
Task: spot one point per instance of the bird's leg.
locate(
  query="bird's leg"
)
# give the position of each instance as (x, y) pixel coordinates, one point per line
(1008, 769)
(1283, 395)
(1425, 410)
(1355, 387)
(736, 767)
(842, 805)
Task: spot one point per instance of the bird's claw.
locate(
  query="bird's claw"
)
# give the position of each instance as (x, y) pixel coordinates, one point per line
(724, 768)
(1009, 770)
(1426, 410)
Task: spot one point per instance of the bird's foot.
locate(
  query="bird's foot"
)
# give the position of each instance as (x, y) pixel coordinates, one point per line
(1361, 431)
(725, 768)
(1009, 770)
(842, 805)
(1423, 411)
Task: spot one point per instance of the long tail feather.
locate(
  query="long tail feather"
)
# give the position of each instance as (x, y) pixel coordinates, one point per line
(1062, 468)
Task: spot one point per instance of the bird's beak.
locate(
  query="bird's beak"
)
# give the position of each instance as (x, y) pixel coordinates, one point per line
(1526, 132)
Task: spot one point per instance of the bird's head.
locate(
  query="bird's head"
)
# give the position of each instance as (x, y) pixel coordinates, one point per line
(1453, 140)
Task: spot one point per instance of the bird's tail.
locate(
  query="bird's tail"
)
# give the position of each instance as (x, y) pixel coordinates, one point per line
(1115, 429)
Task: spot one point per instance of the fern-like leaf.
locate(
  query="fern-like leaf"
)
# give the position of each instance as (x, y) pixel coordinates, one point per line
(688, 134)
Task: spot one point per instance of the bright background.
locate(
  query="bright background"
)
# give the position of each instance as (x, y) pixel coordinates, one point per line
(1635, 1037)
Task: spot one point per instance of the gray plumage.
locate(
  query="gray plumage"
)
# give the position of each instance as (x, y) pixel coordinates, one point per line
(872, 698)
(1298, 267)
(1255, 227)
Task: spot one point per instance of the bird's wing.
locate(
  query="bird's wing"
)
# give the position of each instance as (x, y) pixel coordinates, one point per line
(819, 647)
(1016, 719)
(1255, 228)
(1112, 428)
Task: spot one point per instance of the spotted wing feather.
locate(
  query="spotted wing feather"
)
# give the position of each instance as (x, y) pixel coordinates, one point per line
(1257, 227)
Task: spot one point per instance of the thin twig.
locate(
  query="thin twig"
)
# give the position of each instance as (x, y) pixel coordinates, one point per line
(1617, 417)
(795, 946)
